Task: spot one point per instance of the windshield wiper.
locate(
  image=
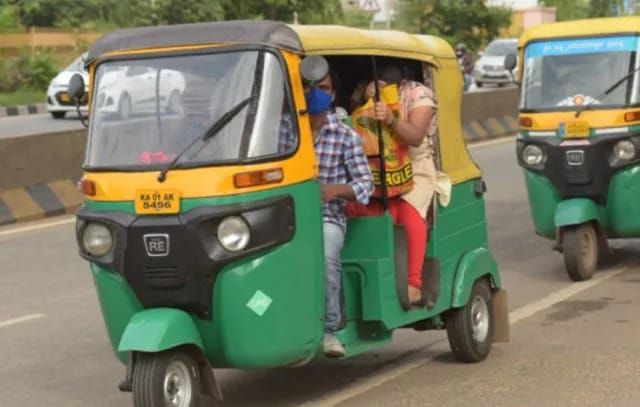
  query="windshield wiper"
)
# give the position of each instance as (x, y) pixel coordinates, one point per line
(609, 90)
(206, 136)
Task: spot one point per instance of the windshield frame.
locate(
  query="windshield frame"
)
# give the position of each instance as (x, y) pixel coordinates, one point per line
(210, 50)
(634, 61)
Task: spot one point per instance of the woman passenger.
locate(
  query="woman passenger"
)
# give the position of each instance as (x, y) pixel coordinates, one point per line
(416, 127)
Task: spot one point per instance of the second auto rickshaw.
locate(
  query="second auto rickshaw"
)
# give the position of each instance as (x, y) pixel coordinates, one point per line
(580, 135)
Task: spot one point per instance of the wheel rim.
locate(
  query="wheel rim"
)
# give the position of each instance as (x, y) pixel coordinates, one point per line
(177, 385)
(479, 319)
(586, 248)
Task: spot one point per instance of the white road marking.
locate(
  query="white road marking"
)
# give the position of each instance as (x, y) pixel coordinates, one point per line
(491, 142)
(12, 230)
(366, 384)
(19, 320)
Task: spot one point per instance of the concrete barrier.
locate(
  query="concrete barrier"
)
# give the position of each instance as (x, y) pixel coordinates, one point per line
(39, 172)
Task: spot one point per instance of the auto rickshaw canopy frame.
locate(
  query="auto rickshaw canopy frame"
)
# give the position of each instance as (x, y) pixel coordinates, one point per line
(321, 40)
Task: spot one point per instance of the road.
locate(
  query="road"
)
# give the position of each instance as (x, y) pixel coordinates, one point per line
(24, 125)
(573, 344)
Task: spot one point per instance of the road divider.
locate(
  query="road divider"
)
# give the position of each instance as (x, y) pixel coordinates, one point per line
(40, 172)
(23, 110)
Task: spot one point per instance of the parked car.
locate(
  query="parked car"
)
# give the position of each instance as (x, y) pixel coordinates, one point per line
(58, 101)
(489, 67)
(124, 91)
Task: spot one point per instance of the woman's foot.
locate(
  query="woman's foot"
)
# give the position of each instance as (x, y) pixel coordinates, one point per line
(415, 295)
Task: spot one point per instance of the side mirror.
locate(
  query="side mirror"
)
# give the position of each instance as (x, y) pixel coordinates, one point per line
(510, 62)
(76, 87)
(75, 90)
(314, 69)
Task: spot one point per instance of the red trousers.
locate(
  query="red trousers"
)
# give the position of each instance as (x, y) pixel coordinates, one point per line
(415, 227)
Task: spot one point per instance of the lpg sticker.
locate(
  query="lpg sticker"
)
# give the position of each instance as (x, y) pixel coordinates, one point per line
(259, 303)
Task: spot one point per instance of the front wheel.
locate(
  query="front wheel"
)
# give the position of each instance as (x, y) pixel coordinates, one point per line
(170, 378)
(470, 328)
(580, 248)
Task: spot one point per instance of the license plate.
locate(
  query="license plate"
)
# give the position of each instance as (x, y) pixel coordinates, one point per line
(65, 98)
(577, 129)
(157, 201)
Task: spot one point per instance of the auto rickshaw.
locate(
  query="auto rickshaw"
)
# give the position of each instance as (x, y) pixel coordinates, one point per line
(579, 98)
(205, 239)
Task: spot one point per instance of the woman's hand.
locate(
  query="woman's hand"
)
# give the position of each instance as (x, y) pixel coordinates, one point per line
(383, 113)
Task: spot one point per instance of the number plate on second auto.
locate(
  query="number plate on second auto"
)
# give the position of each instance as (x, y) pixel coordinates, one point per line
(157, 201)
(577, 129)
(65, 98)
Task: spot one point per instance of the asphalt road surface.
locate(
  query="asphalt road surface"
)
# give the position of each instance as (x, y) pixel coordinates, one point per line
(572, 343)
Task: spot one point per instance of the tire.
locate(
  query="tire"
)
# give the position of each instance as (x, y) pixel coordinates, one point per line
(124, 106)
(174, 103)
(580, 249)
(471, 341)
(479, 84)
(58, 115)
(171, 378)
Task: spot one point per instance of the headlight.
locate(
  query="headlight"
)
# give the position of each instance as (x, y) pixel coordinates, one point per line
(97, 239)
(624, 150)
(233, 233)
(532, 155)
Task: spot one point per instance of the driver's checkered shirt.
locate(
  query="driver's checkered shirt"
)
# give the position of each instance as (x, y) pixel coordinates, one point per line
(341, 160)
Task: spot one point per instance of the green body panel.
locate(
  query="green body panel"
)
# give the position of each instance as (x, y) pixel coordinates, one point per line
(291, 276)
(576, 211)
(623, 204)
(475, 264)
(372, 307)
(543, 199)
(118, 304)
(159, 329)
(619, 218)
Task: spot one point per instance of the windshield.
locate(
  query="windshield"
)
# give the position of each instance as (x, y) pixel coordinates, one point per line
(559, 75)
(501, 48)
(147, 111)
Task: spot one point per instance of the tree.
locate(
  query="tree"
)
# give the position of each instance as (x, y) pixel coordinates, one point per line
(308, 11)
(569, 9)
(468, 21)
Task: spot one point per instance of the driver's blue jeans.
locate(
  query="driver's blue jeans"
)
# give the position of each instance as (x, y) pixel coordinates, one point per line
(333, 243)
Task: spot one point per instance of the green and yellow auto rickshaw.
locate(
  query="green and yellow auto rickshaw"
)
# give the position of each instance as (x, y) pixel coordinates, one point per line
(205, 238)
(579, 134)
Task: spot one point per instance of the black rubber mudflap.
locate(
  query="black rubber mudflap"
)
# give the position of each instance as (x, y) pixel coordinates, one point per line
(402, 284)
(431, 281)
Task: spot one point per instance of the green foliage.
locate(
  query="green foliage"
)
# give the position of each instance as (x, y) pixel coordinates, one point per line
(569, 9)
(8, 17)
(27, 71)
(468, 21)
(309, 11)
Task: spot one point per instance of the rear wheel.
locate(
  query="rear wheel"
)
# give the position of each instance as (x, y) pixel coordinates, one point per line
(479, 84)
(470, 328)
(580, 248)
(58, 115)
(170, 379)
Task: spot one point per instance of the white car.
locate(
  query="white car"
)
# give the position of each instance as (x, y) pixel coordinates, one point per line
(489, 68)
(58, 101)
(130, 91)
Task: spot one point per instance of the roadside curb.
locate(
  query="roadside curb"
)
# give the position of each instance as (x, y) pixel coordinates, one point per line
(490, 128)
(23, 110)
(39, 201)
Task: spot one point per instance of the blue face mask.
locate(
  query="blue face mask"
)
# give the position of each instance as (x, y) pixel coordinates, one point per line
(318, 101)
